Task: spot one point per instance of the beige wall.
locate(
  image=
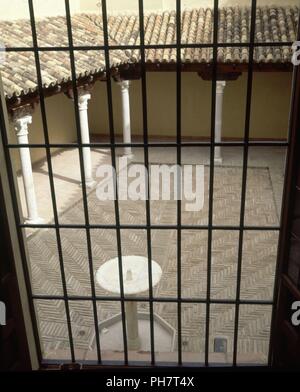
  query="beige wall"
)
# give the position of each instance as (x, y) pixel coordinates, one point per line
(119, 5)
(167, 4)
(270, 108)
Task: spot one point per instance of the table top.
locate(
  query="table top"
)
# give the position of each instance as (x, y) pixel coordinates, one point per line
(135, 274)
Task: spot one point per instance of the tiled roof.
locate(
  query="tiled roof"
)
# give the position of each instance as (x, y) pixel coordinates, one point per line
(273, 24)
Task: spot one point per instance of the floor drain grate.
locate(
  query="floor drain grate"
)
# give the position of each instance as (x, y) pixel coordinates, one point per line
(220, 345)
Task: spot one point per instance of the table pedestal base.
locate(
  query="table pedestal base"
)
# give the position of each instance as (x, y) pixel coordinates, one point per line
(111, 336)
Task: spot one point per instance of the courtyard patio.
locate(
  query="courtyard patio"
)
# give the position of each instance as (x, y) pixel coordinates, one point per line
(265, 177)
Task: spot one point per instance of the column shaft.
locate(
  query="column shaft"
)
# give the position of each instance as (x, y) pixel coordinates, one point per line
(83, 99)
(218, 125)
(126, 115)
(21, 128)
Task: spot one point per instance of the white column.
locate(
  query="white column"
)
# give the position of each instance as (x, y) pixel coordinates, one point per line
(126, 116)
(219, 110)
(21, 122)
(83, 98)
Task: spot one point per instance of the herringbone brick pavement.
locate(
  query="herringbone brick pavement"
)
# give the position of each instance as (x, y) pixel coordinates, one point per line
(259, 258)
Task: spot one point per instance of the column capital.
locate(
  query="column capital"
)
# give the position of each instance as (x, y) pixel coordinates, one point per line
(220, 86)
(21, 118)
(124, 84)
(83, 97)
(84, 90)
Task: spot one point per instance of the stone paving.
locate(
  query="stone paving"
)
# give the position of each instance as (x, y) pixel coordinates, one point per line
(264, 189)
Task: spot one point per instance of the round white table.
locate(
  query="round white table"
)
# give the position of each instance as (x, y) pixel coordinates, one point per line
(135, 281)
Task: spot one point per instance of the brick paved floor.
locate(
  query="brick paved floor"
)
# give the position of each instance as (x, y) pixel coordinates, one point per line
(264, 188)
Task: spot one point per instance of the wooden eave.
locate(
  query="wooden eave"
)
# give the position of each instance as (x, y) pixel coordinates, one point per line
(132, 71)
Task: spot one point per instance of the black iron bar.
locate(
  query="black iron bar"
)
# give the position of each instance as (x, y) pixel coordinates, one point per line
(155, 299)
(149, 46)
(83, 176)
(51, 180)
(152, 144)
(211, 179)
(113, 159)
(145, 227)
(179, 190)
(146, 159)
(244, 178)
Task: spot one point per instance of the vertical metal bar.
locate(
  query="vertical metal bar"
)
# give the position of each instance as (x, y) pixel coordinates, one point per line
(211, 178)
(51, 181)
(178, 144)
(146, 158)
(244, 177)
(82, 173)
(113, 158)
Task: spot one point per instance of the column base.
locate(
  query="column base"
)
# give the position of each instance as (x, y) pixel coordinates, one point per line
(129, 156)
(127, 153)
(36, 221)
(218, 161)
(134, 344)
(90, 184)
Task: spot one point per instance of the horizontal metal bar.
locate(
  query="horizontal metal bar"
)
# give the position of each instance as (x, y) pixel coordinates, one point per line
(150, 46)
(151, 144)
(55, 364)
(153, 227)
(154, 299)
(265, 144)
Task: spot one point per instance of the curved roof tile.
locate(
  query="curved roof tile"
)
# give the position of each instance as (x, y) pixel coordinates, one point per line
(273, 24)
